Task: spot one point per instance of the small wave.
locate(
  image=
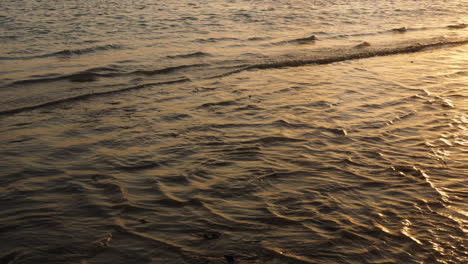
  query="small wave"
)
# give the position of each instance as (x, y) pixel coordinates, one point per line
(304, 40)
(190, 55)
(257, 38)
(291, 125)
(75, 77)
(344, 36)
(92, 75)
(167, 70)
(211, 40)
(68, 52)
(74, 52)
(458, 26)
(399, 30)
(86, 96)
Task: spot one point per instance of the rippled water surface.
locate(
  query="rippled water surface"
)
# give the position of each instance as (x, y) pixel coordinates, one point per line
(233, 131)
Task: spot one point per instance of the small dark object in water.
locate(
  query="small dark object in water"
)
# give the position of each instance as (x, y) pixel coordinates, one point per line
(230, 259)
(104, 242)
(306, 40)
(458, 26)
(211, 235)
(143, 221)
(363, 44)
(400, 30)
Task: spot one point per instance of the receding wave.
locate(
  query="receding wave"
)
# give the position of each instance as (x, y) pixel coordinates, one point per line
(333, 55)
(338, 55)
(368, 53)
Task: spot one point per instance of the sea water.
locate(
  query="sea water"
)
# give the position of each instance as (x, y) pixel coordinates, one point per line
(235, 131)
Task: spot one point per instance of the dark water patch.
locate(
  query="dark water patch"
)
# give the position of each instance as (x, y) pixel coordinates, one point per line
(290, 124)
(318, 104)
(273, 140)
(10, 258)
(175, 117)
(249, 108)
(218, 163)
(176, 203)
(373, 184)
(176, 179)
(211, 40)
(273, 176)
(236, 153)
(258, 38)
(110, 68)
(140, 165)
(10, 37)
(220, 104)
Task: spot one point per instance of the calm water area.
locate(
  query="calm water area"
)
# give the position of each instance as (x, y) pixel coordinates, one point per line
(233, 131)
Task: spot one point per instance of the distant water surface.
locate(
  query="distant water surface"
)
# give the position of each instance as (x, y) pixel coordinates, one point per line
(233, 131)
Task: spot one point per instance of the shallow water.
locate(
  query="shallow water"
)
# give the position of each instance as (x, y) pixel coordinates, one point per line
(218, 132)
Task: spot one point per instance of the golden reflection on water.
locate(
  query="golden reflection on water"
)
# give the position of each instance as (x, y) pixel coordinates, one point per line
(360, 160)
